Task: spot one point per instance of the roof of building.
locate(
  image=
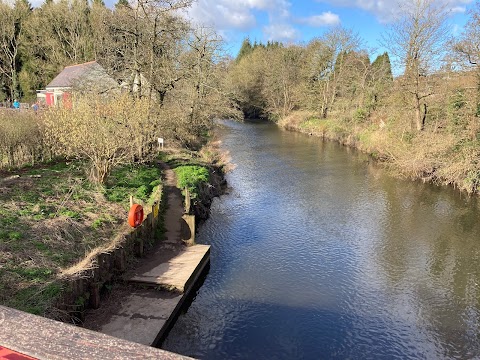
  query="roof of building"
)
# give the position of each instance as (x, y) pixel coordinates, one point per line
(82, 74)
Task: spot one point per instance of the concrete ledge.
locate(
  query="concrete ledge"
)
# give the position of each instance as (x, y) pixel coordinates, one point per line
(147, 314)
(47, 339)
(191, 286)
(176, 273)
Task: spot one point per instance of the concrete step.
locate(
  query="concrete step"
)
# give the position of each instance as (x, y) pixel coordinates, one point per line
(146, 315)
(177, 273)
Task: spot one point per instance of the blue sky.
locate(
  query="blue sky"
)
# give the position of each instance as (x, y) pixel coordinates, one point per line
(301, 20)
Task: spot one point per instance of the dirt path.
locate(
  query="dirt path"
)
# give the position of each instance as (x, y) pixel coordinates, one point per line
(172, 243)
(175, 206)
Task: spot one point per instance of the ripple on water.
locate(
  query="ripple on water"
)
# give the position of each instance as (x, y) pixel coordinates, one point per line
(316, 254)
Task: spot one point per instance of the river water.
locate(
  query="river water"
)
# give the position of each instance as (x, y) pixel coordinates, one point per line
(318, 254)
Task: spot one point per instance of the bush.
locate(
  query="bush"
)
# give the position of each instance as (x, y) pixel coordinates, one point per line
(107, 132)
(360, 115)
(21, 138)
(190, 177)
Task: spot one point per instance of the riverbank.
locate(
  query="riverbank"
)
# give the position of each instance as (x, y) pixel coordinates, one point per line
(442, 158)
(202, 190)
(56, 226)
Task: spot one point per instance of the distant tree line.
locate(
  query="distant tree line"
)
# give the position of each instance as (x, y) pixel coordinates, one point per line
(424, 121)
(270, 81)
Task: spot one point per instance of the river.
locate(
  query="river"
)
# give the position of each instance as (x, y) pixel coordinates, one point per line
(317, 253)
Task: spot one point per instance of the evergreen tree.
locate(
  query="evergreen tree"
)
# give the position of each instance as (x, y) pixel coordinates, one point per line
(121, 3)
(245, 49)
(382, 66)
(12, 25)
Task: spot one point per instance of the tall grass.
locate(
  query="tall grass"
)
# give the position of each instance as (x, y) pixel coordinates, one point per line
(21, 138)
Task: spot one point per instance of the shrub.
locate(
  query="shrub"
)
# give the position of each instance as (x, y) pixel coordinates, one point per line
(106, 132)
(360, 115)
(21, 138)
(190, 177)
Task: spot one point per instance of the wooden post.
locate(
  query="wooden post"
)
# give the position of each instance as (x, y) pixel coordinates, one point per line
(187, 201)
(120, 259)
(155, 208)
(139, 246)
(94, 298)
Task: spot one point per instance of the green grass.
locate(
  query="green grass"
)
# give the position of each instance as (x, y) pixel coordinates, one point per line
(70, 213)
(51, 216)
(102, 220)
(44, 220)
(33, 274)
(132, 180)
(36, 298)
(190, 177)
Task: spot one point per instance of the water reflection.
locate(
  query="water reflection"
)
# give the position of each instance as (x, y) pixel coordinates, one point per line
(316, 253)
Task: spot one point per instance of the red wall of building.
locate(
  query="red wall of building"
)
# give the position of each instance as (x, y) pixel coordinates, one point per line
(49, 99)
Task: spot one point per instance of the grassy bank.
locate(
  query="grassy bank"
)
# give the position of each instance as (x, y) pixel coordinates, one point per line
(442, 157)
(51, 218)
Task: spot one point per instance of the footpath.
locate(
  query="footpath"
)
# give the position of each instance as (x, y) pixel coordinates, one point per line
(144, 310)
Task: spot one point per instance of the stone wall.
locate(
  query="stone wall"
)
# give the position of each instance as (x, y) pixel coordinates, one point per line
(215, 187)
(84, 289)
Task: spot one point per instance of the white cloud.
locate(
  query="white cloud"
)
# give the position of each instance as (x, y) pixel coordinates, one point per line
(281, 32)
(458, 9)
(236, 14)
(325, 19)
(386, 10)
(222, 14)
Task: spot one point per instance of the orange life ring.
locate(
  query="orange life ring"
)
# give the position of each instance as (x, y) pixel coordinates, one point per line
(135, 215)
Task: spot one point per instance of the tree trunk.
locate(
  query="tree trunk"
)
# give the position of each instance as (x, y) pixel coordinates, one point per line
(419, 114)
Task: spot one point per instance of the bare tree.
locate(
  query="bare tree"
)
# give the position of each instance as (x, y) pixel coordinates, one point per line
(11, 28)
(198, 96)
(281, 83)
(417, 40)
(468, 47)
(146, 38)
(324, 70)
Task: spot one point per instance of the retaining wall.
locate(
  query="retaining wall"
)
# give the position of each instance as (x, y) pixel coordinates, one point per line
(84, 289)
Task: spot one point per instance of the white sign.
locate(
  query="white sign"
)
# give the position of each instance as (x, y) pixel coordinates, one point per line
(160, 143)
